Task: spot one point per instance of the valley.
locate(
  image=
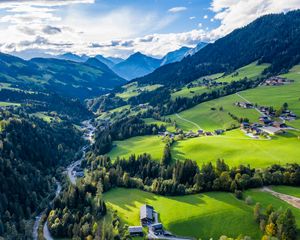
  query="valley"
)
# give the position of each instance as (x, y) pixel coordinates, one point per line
(200, 143)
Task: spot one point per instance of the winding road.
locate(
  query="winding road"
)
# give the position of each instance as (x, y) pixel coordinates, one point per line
(294, 201)
(89, 131)
(39, 217)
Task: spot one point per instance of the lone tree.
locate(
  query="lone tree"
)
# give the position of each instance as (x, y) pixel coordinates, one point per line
(166, 158)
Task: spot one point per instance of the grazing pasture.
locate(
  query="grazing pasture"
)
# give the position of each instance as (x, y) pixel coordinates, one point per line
(132, 90)
(250, 71)
(196, 216)
(236, 148)
(138, 145)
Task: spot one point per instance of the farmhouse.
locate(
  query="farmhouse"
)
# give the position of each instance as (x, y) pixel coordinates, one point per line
(276, 81)
(272, 130)
(135, 231)
(219, 131)
(157, 229)
(244, 105)
(146, 215)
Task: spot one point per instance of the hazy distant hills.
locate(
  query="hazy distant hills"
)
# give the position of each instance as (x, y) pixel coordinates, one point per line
(138, 64)
(67, 78)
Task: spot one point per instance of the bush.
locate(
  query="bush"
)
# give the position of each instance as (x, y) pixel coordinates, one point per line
(238, 194)
(249, 200)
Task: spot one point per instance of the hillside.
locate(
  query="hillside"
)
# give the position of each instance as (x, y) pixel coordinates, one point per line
(67, 78)
(278, 46)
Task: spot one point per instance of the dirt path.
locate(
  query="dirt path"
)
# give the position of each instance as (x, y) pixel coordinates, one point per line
(294, 201)
(186, 120)
(246, 100)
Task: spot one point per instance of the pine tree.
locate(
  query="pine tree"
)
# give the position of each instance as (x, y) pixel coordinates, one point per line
(166, 158)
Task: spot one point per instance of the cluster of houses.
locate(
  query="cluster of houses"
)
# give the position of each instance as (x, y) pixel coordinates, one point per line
(276, 81)
(149, 219)
(191, 134)
(269, 113)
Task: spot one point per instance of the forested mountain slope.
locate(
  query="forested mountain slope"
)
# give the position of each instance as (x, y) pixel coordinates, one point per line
(30, 151)
(271, 39)
(67, 78)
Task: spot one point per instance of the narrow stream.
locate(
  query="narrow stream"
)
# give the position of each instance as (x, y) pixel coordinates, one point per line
(89, 130)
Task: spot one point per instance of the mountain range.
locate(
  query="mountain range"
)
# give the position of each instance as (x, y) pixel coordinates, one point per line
(138, 64)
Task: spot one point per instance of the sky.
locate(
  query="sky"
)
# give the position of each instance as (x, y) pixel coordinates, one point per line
(119, 28)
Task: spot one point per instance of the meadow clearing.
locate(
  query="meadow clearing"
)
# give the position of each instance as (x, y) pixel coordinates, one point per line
(236, 148)
(250, 71)
(132, 90)
(138, 145)
(199, 215)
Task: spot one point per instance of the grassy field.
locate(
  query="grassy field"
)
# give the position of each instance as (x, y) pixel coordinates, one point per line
(250, 71)
(132, 90)
(236, 148)
(169, 126)
(45, 117)
(190, 92)
(202, 215)
(293, 191)
(209, 116)
(6, 104)
(275, 96)
(195, 215)
(138, 145)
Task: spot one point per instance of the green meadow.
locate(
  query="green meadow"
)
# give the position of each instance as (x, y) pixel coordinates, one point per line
(138, 145)
(190, 92)
(200, 215)
(196, 216)
(250, 71)
(168, 126)
(236, 148)
(209, 117)
(214, 114)
(6, 104)
(132, 90)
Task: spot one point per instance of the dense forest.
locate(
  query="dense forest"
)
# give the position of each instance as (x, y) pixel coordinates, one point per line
(31, 150)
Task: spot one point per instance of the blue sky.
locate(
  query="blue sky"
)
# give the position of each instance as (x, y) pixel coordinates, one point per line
(122, 27)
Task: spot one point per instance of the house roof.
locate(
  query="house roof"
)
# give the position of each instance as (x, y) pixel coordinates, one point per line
(157, 226)
(271, 130)
(146, 211)
(135, 229)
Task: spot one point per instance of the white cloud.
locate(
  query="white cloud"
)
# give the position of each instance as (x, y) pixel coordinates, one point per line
(177, 9)
(40, 25)
(237, 13)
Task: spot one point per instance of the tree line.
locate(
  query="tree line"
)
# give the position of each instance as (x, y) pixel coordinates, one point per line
(185, 177)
